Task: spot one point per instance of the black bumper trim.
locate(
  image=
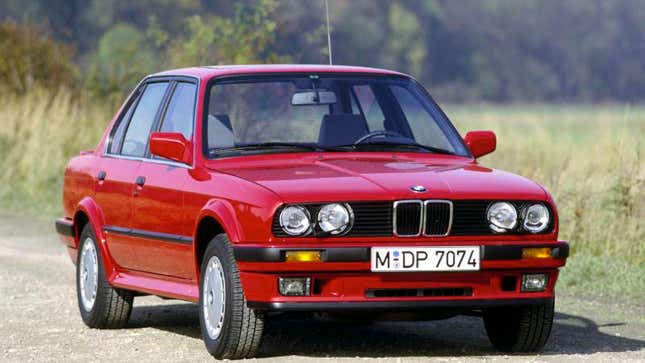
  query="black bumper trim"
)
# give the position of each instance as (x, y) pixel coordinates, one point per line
(472, 304)
(65, 227)
(362, 254)
(514, 252)
(274, 254)
(139, 233)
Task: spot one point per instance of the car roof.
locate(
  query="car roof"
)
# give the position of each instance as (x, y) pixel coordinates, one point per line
(207, 72)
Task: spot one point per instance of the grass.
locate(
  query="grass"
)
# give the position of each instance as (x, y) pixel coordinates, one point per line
(589, 157)
(39, 132)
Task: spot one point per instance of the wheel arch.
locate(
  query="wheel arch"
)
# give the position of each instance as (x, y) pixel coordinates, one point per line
(217, 216)
(88, 212)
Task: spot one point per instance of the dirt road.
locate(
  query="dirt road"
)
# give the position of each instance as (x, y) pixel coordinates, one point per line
(39, 321)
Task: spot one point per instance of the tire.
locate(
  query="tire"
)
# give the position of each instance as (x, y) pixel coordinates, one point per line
(233, 331)
(110, 308)
(519, 329)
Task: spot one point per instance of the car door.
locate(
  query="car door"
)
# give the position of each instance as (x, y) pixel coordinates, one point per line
(164, 239)
(119, 168)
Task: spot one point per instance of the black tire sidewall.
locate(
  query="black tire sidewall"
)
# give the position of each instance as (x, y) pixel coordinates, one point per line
(219, 247)
(508, 333)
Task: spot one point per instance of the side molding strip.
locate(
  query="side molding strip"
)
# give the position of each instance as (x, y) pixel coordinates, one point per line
(139, 233)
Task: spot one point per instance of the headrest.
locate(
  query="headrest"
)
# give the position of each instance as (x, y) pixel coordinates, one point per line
(342, 129)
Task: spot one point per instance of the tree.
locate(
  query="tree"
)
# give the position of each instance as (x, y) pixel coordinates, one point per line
(246, 37)
(123, 57)
(30, 57)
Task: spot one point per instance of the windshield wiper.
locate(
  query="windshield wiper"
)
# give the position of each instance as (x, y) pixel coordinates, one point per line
(268, 146)
(389, 144)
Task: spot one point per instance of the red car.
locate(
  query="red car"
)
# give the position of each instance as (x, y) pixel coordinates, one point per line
(332, 189)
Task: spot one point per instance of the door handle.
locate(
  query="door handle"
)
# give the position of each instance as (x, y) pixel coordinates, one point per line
(141, 180)
(101, 175)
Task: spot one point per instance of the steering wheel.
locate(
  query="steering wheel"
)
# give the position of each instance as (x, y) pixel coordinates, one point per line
(374, 134)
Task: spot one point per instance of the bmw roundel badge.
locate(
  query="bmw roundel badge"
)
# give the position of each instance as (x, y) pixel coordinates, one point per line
(418, 188)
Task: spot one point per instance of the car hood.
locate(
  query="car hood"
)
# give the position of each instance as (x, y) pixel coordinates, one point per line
(352, 176)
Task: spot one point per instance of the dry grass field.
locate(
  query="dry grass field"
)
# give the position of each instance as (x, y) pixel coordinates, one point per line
(591, 158)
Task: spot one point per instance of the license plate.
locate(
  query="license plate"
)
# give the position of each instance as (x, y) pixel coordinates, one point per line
(397, 259)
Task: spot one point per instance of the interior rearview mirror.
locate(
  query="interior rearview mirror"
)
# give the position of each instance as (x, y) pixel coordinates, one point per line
(481, 143)
(171, 145)
(316, 97)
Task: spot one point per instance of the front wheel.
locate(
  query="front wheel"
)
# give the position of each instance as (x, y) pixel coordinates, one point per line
(229, 328)
(519, 329)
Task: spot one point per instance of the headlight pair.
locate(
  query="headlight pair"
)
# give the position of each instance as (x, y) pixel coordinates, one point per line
(333, 218)
(502, 217)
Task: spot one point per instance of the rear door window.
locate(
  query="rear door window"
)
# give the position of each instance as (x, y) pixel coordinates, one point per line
(119, 130)
(136, 137)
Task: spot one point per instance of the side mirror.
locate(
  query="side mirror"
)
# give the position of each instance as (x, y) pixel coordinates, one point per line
(171, 145)
(481, 143)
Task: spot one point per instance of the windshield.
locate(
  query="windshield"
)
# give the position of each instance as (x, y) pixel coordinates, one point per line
(249, 115)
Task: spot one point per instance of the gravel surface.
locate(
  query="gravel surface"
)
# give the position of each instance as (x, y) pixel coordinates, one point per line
(40, 322)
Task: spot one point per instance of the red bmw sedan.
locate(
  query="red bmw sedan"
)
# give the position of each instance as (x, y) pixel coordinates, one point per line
(327, 189)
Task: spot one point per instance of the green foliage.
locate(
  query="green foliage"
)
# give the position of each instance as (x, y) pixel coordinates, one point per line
(495, 50)
(30, 57)
(405, 47)
(123, 57)
(243, 38)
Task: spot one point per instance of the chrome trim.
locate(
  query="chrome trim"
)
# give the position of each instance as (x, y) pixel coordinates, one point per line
(154, 161)
(425, 209)
(421, 219)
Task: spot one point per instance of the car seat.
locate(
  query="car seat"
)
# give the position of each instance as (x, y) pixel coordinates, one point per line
(341, 129)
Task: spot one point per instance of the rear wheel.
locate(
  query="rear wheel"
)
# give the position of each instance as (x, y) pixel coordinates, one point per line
(101, 305)
(229, 328)
(519, 329)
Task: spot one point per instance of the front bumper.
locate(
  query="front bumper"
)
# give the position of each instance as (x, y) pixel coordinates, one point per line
(343, 280)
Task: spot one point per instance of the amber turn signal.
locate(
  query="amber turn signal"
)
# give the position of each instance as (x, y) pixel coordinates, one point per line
(303, 256)
(542, 252)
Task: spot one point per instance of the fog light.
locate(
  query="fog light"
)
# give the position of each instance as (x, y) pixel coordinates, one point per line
(534, 282)
(303, 256)
(544, 252)
(294, 286)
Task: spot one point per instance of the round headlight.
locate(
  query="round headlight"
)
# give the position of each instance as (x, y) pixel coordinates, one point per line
(536, 218)
(294, 220)
(334, 218)
(502, 216)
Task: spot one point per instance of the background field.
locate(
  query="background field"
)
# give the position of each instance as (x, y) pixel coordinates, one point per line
(589, 157)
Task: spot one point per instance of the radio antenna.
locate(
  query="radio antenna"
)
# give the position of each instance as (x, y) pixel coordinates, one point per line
(328, 32)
